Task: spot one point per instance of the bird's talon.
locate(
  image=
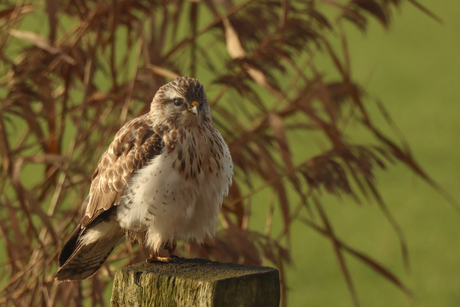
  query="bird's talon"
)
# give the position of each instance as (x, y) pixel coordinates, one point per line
(155, 258)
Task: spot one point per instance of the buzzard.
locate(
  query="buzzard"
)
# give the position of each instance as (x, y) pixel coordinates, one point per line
(162, 178)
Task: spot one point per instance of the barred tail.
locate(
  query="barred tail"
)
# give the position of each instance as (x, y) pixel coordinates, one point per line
(86, 251)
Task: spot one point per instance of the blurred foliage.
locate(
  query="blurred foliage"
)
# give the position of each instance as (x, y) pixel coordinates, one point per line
(69, 82)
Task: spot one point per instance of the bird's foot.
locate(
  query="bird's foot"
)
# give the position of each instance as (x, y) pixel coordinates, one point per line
(164, 259)
(157, 258)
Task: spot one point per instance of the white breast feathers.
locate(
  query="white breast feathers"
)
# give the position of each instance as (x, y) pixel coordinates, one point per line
(179, 193)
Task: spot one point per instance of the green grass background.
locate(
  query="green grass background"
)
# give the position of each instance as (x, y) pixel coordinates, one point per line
(414, 68)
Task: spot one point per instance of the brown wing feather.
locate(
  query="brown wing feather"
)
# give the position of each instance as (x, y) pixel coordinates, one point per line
(132, 148)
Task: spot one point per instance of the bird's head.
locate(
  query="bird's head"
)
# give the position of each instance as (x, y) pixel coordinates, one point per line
(181, 102)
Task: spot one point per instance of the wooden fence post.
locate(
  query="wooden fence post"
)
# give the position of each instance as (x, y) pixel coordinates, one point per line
(196, 282)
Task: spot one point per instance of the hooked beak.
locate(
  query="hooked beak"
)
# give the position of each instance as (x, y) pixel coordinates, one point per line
(195, 108)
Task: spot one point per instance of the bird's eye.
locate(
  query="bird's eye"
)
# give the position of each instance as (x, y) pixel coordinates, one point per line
(178, 102)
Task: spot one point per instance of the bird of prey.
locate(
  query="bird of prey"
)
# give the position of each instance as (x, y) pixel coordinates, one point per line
(162, 179)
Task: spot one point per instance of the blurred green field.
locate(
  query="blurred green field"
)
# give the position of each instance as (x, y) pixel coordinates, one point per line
(414, 69)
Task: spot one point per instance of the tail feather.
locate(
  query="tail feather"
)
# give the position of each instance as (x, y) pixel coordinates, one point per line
(87, 260)
(82, 256)
(69, 247)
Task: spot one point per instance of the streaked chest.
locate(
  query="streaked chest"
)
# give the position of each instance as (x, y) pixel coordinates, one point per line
(191, 174)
